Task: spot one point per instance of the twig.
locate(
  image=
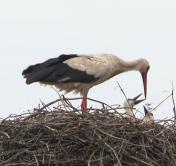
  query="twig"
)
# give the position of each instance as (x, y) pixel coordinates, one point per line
(161, 102)
(173, 101)
(90, 158)
(111, 148)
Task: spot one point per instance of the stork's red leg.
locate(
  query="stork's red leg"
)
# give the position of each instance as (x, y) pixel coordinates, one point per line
(84, 104)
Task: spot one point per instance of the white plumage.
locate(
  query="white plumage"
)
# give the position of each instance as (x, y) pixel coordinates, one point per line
(129, 105)
(149, 117)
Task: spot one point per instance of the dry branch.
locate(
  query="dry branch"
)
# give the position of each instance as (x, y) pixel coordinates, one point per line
(106, 137)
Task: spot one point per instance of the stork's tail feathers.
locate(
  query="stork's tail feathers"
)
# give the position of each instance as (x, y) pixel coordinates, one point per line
(38, 71)
(29, 73)
(45, 71)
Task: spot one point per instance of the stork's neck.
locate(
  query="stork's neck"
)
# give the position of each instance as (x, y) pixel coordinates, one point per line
(119, 65)
(131, 65)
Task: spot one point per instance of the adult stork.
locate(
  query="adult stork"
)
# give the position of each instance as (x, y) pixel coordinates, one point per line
(79, 73)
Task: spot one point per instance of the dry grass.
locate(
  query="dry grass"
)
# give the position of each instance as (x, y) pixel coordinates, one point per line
(61, 136)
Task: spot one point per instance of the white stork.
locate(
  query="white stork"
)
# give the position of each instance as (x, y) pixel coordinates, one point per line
(129, 105)
(148, 116)
(79, 73)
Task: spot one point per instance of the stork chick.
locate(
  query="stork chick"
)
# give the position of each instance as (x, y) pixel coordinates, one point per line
(80, 73)
(129, 105)
(148, 116)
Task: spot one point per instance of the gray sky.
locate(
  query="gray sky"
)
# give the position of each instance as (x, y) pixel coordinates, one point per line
(35, 30)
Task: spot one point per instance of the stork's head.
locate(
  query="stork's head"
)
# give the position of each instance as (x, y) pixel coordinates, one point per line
(143, 67)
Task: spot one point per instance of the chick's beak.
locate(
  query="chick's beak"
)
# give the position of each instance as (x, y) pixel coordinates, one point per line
(137, 101)
(144, 78)
(145, 110)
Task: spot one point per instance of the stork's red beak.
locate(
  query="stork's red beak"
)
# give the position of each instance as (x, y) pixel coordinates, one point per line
(144, 78)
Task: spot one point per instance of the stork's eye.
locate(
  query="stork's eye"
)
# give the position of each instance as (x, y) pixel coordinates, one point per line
(148, 67)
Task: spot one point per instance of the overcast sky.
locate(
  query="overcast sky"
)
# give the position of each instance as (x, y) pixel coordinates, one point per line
(32, 31)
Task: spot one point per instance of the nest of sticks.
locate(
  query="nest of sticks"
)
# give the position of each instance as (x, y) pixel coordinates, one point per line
(60, 135)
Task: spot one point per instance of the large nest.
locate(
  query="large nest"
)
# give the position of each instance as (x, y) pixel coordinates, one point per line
(61, 136)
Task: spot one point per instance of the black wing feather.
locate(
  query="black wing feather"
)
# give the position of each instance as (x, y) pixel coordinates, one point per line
(48, 63)
(55, 71)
